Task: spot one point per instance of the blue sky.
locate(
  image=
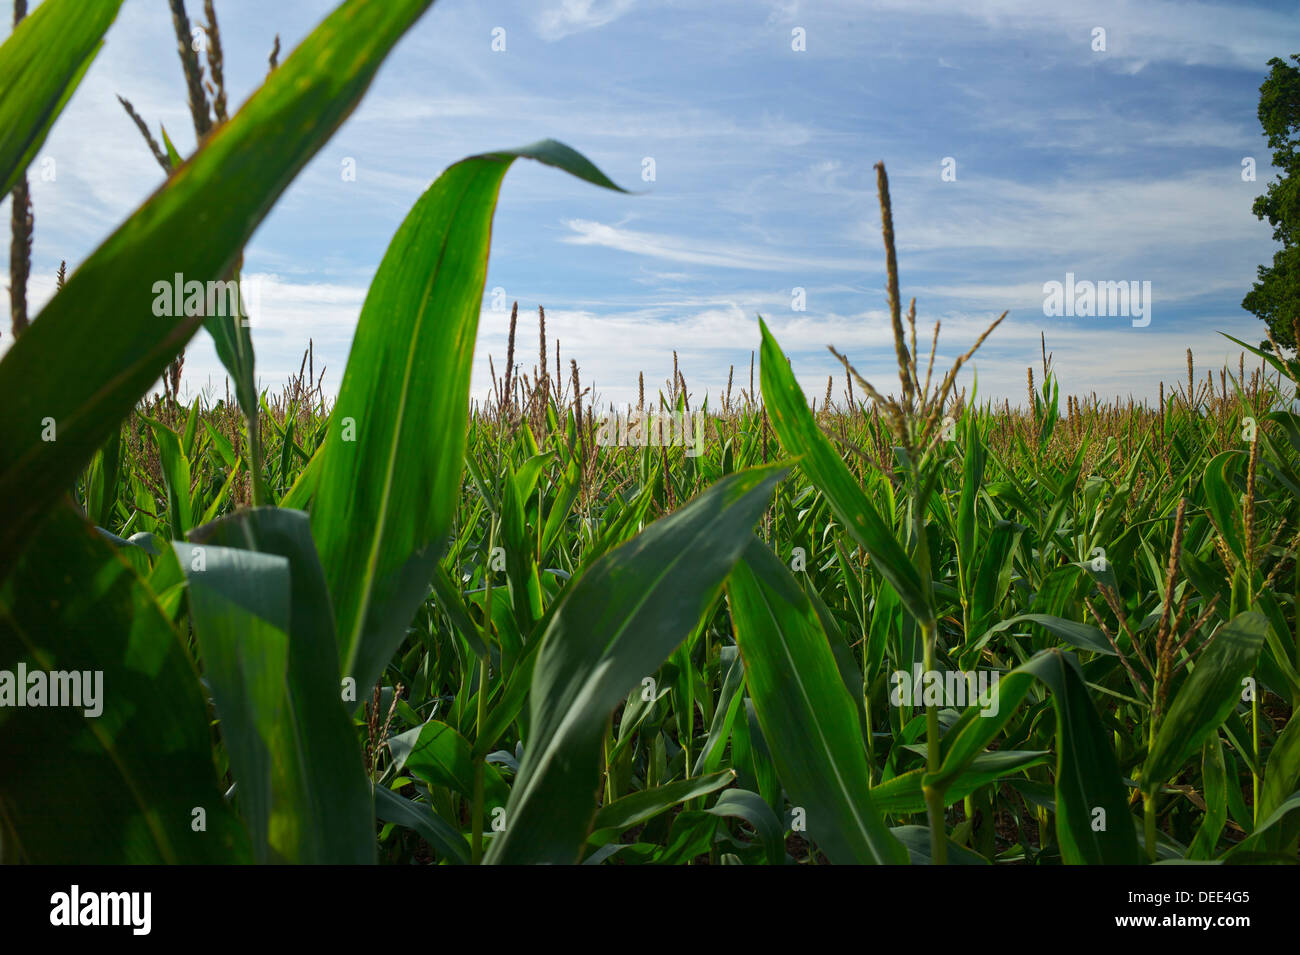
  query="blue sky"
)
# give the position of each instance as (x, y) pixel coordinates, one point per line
(1115, 165)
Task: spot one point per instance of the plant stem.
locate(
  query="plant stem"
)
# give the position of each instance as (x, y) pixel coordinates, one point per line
(1254, 776)
(476, 809)
(1149, 794)
(1149, 823)
(929, 637)
(933, 796)
(476, 814)
(606, 749)
(260, 496)
(871, 742)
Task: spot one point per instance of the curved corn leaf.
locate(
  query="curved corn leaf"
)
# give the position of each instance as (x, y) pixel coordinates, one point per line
(1206, 697)
(730, 698)
(903, 794)
(381, 518)
(194, 226)
(993, 573)
(440, 756)
(1281, 779)
(239, 604)
(641, 806)
(1214, 778)
(121, 786)
(794, 425)
(1081, 636)
(176, 478)
(325, 804)
(1093, 823)
(750, 807)
(808, 719)
(1266, 834)
(616, 623)
(41, 64)
(1223, 500)
(418, 817)
(916, 839)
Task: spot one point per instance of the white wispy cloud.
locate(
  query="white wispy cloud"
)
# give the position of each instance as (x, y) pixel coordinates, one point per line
(568, 17)
(1115, 165)
(1191, 33)
(695, 250)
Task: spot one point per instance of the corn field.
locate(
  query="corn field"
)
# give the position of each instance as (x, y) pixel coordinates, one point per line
(884, 624)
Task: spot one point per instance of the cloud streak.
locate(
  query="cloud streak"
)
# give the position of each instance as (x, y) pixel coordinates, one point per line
(568, 17)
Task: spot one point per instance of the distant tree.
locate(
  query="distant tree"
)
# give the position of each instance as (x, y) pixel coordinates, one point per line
(1275, 298)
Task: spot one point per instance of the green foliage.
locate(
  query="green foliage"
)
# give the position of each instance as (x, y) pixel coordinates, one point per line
(1275, 297)
(41, 65)
(195, 226)
(474, 633)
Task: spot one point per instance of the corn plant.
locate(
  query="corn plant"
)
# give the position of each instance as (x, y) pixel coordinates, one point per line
(402, 625)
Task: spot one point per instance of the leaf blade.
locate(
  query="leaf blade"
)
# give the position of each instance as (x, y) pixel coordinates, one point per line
(380, 522)
(193, 226)
(807, 716)
(617, 622)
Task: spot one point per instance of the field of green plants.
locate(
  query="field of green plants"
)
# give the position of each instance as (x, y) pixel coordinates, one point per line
(405, 627)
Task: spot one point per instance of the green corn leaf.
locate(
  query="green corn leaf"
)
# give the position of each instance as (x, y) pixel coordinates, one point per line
(808, 719)
(221, 444)
(381, 518)
(303, 489)
(232, 338)
(1089, 792)
(41, 65)
(176, 477)
(616, 624)
(325, 805)
(1223, 501)
(1281, 779)
(120, 787)
(903, 794)
(173, 156)
(143, 540)
(750, 807)
(916, 839)
(972, 478)
(419, 818)
(191, 430)
(1093, 822)
(440, 756)
(730, 698)
(794, 425)
(239, 602)
(194, 226)
(449, 600)
(641, 806)
(1206, 697)
(102, 496)
(993, 573)
(1281, 365)
(222, 494)
(570, 487)
(1214, 778)
(1080, 636)
(522, 578)
(1266, 834)
(510, 702)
